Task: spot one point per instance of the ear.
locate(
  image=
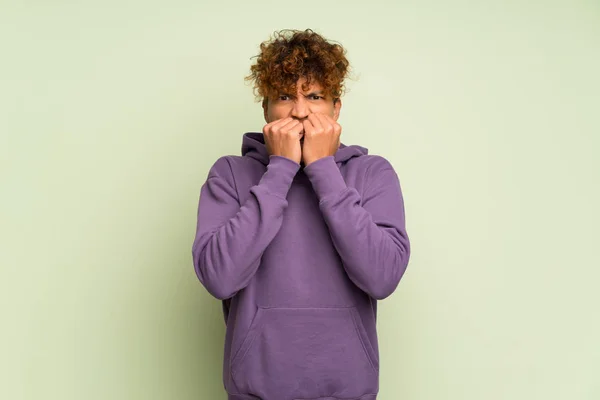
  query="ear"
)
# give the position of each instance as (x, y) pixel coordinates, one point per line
(337, 106)
(265, 106)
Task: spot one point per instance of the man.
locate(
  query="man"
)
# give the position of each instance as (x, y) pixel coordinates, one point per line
(300, 236)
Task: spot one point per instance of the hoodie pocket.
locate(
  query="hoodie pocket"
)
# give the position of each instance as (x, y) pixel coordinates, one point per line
(306, 353)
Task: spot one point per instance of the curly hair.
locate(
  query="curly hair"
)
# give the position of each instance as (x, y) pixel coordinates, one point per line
(290, 55)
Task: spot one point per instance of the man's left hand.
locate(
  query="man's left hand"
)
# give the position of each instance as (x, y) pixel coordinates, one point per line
(321, 137)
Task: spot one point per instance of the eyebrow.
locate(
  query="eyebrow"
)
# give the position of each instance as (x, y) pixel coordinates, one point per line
(317, 93)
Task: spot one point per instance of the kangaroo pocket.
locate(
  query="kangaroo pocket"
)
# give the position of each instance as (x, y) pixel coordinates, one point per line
(306, 353)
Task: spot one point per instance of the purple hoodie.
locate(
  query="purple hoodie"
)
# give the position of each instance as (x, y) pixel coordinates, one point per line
(299, 257)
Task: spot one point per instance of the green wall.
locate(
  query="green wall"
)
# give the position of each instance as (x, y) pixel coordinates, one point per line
(112, 112)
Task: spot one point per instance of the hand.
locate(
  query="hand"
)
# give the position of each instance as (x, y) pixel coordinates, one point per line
(282, 138)
(321, 137)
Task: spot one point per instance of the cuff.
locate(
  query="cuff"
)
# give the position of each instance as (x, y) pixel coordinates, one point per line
(325, 177)
(279, 175)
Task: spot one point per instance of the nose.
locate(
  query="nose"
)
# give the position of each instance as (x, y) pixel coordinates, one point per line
(300, 110)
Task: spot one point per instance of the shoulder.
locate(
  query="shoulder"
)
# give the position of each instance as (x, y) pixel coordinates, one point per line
(221, 168)
(373, 164)
(231, 167)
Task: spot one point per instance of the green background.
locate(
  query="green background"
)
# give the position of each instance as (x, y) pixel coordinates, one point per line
(112, 112)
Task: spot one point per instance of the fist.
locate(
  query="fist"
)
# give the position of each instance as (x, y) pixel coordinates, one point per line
(321, 137)
(282, 138)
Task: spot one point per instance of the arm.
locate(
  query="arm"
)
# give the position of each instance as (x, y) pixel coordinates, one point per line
(370, 238)
(231, 238)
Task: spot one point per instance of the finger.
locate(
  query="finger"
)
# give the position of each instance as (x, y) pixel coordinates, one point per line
(276, 122)
(333, 123)
(325, 122)
(328, 118)
(297, 129)
(268, 128)
(279, 124)
(316, 123)
(294, 128)
(285, 128)
(309, 129)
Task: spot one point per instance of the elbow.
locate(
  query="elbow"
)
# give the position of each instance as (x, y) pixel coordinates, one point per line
(383, 290)
(215, 283)
(220, 291)
(388, 280)
(217, 286)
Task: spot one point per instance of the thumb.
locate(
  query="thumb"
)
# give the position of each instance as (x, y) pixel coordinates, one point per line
(308, 127)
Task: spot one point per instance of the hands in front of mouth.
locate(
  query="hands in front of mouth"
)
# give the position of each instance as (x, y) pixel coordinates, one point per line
(282, 138)
(321, 135)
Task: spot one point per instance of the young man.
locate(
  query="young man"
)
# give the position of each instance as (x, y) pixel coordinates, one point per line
(300, 236)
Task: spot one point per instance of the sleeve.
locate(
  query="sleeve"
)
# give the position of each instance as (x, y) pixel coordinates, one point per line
(231, 237)
(368, 233)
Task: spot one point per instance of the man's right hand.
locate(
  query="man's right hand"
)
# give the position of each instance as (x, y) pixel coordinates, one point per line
(282, 138)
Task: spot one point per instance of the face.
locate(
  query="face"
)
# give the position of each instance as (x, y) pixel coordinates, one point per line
(302, 103)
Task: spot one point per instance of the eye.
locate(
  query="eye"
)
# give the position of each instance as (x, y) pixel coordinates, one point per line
(284, 97)
(316, 97)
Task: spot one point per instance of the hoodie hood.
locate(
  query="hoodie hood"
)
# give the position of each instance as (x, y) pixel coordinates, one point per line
(253, 145)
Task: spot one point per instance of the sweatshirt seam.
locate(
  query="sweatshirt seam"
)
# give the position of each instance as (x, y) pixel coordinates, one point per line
(322, 160)
(266, 188)
(367, 183)
(370, 181)
(283, 160)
